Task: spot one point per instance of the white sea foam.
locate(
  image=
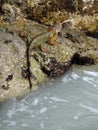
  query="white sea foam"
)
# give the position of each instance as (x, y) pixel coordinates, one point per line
(10, 113)
(91, 73)
(9, 123)
(42, 125)
(56, 99)
(75, 76)
(12, 123)
(43, 110)
(22, 108)
(66, 79)
(88, 79)
(24, 125)
(35, 102)
(91, 109)
(76, 117)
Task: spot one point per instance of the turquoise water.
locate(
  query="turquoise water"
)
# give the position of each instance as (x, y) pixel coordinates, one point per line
(68, 103)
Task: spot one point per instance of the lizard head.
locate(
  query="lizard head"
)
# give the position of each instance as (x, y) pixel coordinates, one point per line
(57, 27)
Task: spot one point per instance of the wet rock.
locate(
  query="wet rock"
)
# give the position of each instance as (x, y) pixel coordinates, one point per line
(48, 12)
(16, 79)
(90, 49)
(53, 60)
(10, 12)
(80, 6)
(86, 46)
(87, 6)
(23, 5)
(32, 3)
(12, 59)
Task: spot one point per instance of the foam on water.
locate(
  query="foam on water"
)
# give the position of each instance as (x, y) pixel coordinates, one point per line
(56, 99)
(91, 73)
(91, 109)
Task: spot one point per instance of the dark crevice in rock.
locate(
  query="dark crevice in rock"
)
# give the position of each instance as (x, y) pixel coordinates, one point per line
(56, 70)
(68, 5)
(9, 77)
(8, 41)
(81, 60)
(93, 34)
(51, 67)
(5, 86)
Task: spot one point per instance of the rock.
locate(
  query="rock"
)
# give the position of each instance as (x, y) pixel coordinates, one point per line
(86, 46)
(91, 49)
(12, 65)
(87, 6)
(46, 61)
(53, 60)
(32, 3)
(11, 12)
(14, 73)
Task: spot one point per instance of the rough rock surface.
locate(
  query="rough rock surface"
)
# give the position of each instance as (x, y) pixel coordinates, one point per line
(47, 61)
(86, 46)
(12, 64)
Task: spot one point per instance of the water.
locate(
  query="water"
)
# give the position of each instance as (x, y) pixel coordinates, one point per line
(68, 103)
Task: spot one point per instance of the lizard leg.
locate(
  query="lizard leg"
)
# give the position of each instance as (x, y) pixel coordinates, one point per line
(53, 40)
